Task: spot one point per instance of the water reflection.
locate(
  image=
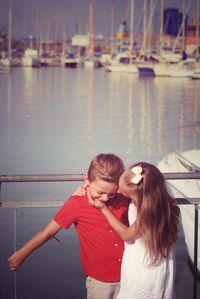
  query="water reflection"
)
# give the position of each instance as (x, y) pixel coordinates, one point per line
(130, 129)
(51, 115)
(90, 98)
(9, 108)
(180, 114)
(146, 118)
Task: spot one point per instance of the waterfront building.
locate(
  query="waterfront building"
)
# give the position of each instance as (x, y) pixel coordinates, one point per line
(193, 40)
(172, 21)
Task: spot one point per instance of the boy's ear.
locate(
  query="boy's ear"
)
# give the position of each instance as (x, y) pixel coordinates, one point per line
(87, 182)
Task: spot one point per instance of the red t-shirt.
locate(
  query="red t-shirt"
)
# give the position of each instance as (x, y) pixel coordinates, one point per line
(101, 249)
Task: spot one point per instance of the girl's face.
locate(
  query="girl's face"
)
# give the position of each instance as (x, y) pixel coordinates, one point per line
(102, 190)
(124, 190)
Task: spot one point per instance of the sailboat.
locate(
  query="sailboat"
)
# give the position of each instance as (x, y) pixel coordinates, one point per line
(172, 62)
(116, 65)
(5, 61)
(30, 58)
(187, 161)
(90, 61)
(146, 68)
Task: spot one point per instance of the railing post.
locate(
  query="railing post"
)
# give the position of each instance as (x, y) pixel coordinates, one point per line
(0, 273)
(195, 250)
(15, 248)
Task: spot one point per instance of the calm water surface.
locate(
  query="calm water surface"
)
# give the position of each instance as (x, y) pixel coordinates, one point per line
(55, 120)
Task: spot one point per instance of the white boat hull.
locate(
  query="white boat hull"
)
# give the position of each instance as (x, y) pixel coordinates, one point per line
(188, 189)
(161, 69)
(196, 75)
(122, 68)
(180, 73)
(30, 58)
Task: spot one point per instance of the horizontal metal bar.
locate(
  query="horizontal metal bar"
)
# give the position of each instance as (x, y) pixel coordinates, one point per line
(59, 203)
(182, 175)
(31, 204)
(41, 178)
(76, 177)
(80, 177)
(191, 200)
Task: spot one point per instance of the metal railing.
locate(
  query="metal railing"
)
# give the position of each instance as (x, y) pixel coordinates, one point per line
(79, 178)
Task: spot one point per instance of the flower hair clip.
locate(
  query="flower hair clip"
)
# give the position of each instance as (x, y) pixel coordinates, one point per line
(137, 170)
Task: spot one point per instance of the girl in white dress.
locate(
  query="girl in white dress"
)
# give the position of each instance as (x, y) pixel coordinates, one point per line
(148, 265)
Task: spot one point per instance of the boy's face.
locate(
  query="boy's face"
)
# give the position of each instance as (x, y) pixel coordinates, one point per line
(101, 190)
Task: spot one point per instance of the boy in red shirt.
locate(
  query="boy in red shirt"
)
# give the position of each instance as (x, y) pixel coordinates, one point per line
(101, 249)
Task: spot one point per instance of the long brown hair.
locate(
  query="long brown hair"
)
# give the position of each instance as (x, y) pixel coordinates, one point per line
(157, 212)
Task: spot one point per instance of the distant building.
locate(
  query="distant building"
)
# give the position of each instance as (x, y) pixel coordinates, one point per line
(172, 21)
(193, 40)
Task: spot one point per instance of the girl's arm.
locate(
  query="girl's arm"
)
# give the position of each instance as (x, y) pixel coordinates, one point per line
(38, 240)
(126, 233)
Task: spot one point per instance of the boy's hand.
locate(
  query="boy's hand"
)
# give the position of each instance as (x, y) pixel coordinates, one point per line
(15, 261)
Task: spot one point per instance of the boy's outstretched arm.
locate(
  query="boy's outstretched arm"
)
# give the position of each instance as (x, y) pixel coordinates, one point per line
(38, 240)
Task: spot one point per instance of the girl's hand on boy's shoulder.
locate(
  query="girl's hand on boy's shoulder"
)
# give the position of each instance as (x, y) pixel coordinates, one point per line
(81, 190)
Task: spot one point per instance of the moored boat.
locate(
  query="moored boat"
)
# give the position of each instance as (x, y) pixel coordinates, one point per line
(71, 63)
(146, 70)
(30, 58)
(188, 161)
(196, 75)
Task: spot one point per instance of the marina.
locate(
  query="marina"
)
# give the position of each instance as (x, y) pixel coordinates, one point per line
(67, 95)
(160, 46)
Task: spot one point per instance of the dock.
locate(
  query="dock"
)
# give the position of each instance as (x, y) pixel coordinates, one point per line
(187, 282)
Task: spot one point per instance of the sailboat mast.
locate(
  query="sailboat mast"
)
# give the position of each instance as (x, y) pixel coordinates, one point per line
(181, 27)
(131, 27)
(150, 28)
(144, 46)
(91, 51)
(147, 27)
(161, 26)
(112, 29)
(183, 30)
(197, 30)
(10, 30)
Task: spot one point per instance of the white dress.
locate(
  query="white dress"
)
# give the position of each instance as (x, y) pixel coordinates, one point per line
(140, 281)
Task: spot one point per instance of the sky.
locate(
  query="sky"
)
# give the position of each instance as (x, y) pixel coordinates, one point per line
(54, 18)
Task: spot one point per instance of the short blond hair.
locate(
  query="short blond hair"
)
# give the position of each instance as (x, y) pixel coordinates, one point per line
(107, 167)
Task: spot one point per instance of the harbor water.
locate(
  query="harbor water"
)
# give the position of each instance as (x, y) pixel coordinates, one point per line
(54, 121)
